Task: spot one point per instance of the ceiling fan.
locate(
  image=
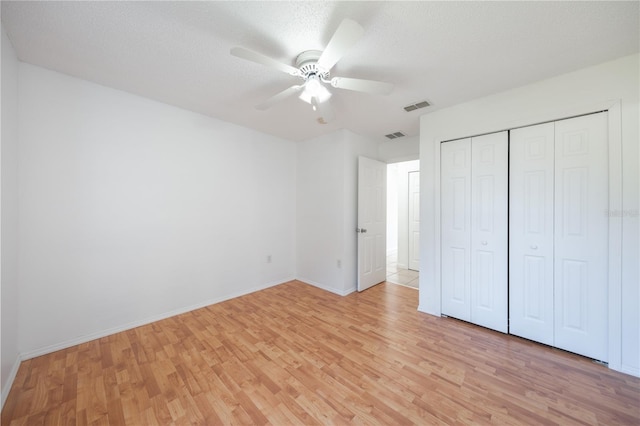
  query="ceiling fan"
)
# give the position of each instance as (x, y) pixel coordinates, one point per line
(313, 67)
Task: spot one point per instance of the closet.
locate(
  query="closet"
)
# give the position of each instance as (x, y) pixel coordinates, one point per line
(524, 232)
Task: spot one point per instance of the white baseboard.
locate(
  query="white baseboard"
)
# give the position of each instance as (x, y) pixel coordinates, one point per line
(632, 371)
(424, 309)
(103, 333)
(325, 287)
(12, 377)
(350, 290)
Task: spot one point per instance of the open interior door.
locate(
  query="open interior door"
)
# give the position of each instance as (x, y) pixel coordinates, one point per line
(372, 222)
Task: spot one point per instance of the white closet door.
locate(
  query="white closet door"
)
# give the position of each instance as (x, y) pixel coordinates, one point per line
(489, 165)
(531, 189)
(581, 235)
(455, 181)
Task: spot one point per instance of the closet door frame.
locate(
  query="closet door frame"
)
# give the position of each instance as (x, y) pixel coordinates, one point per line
(430, 302)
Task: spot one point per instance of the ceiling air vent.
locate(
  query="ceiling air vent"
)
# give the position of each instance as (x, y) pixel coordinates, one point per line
(394, 135)
(419, 105)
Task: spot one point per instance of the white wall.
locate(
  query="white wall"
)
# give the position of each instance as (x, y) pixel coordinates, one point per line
(319, 211)
(9, 355)
(132, 210)
(327, 209)
(612, 84)
(401, 149)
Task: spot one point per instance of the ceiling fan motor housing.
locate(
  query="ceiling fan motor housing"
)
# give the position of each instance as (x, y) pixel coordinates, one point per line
(307, 63)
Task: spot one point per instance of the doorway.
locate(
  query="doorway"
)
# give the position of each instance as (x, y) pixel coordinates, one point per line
(403, 223)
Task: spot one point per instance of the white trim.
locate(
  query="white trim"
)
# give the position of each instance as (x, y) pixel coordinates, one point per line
(423, 309)
(628, 370)
(10, 379)
(327, 288)
(350, 290)
(97, 335)
(402, 159)
(615, 237)
(402, 285)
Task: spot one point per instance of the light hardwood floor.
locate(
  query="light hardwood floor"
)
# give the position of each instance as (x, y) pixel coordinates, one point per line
(294, 354)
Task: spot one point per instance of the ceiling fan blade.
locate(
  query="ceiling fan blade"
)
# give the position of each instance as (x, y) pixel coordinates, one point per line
(345, 36)
(359, 85)
(279, 97)
(324, 110)
(259, 58)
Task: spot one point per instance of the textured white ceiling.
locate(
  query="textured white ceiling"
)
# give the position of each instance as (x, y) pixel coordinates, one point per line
(442, 52)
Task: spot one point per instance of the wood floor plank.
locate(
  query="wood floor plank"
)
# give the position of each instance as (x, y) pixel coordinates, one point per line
(295, 354)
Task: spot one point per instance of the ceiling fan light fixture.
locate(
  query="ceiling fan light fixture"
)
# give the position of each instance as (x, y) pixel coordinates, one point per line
(314, 89)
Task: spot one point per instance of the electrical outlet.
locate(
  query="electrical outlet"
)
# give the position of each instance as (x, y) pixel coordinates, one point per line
(339, 263)
(268, 258)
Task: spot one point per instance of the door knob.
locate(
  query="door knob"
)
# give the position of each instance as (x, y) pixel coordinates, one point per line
(484, 243)
(361, 230)
(534, 247)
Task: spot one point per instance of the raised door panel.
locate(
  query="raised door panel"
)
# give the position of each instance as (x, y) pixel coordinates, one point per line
(489, 230)
(581, 235)
(531, 186)
(455, 204)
